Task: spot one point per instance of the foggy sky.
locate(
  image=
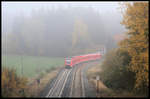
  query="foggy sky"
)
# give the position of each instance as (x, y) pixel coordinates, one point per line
(13, 9)
(16, 8)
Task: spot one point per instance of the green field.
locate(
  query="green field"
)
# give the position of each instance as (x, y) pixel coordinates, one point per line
(32, 65)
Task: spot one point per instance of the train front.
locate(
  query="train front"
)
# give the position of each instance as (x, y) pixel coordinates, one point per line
(68, 64)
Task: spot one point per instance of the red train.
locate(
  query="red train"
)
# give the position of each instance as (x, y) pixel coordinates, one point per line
(72, 61)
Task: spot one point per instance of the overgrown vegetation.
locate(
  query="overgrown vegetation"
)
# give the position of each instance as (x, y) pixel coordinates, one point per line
(115, 72)
(12, 84)
(127, 66)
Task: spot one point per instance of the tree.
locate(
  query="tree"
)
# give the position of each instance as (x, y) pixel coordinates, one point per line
(80, 36)
(135, 19)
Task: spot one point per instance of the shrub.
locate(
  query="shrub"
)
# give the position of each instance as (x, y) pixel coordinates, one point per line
(50, 69)
(115, 72)
(41, 75)
(12, 84)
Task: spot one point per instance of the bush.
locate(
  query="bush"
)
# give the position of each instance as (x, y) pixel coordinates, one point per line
(12, 84)
(50, 69)
(41, 75)
(115, 72)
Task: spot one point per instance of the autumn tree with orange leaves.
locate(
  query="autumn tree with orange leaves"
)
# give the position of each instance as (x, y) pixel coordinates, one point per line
(135, 19)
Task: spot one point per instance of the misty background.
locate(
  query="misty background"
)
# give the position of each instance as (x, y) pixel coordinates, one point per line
(59, 29)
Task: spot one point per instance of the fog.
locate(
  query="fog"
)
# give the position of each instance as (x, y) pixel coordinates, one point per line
(59, 29)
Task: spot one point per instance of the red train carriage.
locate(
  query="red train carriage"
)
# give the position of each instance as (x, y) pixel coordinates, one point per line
(72, 61)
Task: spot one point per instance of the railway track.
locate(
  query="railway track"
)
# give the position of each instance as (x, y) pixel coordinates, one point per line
(58, 87)
(77, 85)
(70, 83)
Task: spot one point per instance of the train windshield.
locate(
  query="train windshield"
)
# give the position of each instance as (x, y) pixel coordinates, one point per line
(68, 60)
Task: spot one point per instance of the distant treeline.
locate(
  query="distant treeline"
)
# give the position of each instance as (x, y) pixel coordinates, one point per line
(61, 32)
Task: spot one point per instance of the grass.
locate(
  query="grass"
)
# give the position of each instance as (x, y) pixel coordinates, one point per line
(32, 65)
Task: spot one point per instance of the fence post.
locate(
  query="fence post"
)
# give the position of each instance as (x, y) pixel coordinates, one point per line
(97, 91)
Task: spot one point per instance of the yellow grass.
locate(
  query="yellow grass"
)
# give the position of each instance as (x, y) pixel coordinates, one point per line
(35, 88)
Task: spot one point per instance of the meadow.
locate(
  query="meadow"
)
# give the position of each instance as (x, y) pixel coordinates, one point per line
(32, 65)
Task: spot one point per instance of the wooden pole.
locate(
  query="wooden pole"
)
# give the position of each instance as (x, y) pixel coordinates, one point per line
(97, 88)
(22, 65)
(97, 79)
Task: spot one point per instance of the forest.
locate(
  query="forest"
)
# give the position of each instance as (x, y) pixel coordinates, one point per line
(61, 32)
